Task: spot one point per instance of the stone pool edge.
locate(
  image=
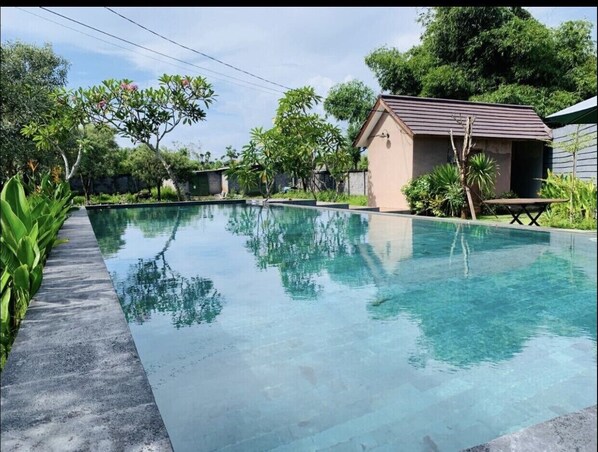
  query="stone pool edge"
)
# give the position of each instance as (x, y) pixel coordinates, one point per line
(73, 379)
(571, 432)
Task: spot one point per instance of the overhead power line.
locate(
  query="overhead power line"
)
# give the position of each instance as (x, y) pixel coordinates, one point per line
(195, 51)
(155, 51)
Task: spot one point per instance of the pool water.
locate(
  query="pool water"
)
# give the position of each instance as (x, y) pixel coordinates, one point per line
(289, 328)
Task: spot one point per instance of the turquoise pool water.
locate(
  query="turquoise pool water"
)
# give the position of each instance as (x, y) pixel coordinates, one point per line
(296, 329)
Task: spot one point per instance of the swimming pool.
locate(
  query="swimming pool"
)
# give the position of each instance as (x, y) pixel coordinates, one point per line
(293, 328)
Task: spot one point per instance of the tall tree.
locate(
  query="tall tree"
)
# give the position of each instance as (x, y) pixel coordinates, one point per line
(147, 115)
(492, 54)
(350, 102)
(100, 159)
(28, 75)
(145, 166)
(299, 143)
(61, 129)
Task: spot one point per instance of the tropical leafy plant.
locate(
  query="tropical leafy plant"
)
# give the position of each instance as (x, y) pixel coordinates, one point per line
(29, 231)
(580, 211)
(447, 195)
(483, 170)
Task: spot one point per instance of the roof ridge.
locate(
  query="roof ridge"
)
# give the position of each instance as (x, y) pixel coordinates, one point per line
(439, 99)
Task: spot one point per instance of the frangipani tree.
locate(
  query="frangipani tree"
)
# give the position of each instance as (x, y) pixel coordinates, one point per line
(147, 115)
(61, 129)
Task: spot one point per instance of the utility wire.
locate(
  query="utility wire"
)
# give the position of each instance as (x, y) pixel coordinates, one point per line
(154, 51)
(108, 42)
(195, 51)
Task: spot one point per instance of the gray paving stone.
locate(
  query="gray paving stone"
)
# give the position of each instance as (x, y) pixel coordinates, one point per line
(73, 380)
(571, 432)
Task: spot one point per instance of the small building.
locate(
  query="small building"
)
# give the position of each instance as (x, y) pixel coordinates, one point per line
(408, 136)
(208, 182)
(203, 183)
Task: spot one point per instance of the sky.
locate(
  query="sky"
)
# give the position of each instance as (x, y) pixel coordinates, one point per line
(288, 46)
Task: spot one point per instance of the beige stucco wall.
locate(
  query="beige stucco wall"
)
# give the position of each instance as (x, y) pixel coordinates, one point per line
(390, 165)
(500, 151)
(429, 152)
(393, 163)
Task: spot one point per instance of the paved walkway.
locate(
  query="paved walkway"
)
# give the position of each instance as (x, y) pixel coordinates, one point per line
(571, 432)
(73, 380)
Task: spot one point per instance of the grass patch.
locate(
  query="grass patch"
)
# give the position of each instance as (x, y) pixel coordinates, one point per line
(507, 217)
(325, 196)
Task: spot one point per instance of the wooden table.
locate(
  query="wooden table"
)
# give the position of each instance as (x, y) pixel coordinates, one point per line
(516, 206)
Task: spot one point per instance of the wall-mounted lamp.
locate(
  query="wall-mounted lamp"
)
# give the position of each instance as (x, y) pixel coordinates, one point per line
(383, 134)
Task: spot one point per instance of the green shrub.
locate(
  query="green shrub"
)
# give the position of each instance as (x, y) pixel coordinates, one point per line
(447, 197)
(580, 211)
(166, 194)
(483, 170)
(30, 227)
(79, 200)
(325, 196)
(418, 195)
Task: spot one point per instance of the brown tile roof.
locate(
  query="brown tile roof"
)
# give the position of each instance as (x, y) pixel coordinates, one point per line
(426, 116)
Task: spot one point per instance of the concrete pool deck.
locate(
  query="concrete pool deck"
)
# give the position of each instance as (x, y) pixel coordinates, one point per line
(74, 380)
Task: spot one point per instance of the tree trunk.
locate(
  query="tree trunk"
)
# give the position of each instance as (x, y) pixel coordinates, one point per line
(470, 203)
(158, 186)
(180, 195)
(85, 191)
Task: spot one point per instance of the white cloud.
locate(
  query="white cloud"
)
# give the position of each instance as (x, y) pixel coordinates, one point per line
(291, 46)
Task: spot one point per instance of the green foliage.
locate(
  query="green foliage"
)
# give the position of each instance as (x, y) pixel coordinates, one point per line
(580, 211)
(440, 193)
(146, 116)
(446, 81)
(437, 193)
(181, 164)
(418, 195)
(101, 158)
(492, 54)
(29, 230)
(144, 164)
(350, 102)
(363, 163)
(166, 194)
(447, 196)
(483, 170)
(326, 196)
(60, 130)
(145, 196)
(28, 75)
(394, 71)
(244, 172)
(299, 143)
(544, 100)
